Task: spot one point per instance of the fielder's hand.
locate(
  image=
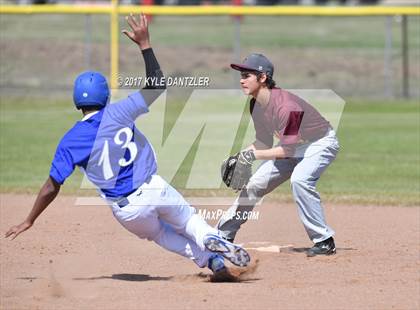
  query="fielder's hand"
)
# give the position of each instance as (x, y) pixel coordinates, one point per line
(16, 230)
(140, 30)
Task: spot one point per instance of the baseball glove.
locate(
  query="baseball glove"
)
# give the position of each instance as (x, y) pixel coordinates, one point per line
(237, 169)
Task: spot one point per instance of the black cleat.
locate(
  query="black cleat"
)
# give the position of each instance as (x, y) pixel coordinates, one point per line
(326, 247)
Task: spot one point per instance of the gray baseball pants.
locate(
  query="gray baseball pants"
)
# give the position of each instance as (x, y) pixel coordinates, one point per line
(304, 171)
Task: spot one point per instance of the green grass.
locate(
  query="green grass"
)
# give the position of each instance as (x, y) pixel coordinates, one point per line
(30, 131)
(379, 160)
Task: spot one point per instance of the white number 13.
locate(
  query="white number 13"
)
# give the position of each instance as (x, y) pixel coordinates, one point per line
(125, 144)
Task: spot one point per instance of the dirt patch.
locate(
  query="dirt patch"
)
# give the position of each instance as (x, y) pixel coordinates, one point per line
(81, 258)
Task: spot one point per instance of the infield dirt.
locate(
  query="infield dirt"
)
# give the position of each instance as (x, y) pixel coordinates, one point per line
(78, 257)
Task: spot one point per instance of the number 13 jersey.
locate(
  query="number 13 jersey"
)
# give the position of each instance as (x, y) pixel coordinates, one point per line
(106, 145)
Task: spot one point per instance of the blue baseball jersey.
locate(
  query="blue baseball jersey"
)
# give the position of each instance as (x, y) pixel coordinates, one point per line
(106, 145)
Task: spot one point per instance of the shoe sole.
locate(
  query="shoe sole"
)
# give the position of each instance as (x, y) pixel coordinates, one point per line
(312, 254)
(232, 252)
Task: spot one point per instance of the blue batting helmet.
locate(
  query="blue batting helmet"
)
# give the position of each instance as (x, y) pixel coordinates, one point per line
(90, 89)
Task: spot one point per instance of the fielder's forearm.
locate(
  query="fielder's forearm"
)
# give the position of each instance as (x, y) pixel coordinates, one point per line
(273, 153)
(46, 195)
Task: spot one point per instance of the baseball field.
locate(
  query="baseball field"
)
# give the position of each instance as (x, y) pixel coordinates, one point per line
(79, 257)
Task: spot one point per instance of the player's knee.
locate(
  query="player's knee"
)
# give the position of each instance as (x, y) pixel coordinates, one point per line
(153, 237)
(298, 182)
(150, 234)
(257, 186)
(303, 183)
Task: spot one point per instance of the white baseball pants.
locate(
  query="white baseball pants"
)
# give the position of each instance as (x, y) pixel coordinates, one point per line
(156, 211)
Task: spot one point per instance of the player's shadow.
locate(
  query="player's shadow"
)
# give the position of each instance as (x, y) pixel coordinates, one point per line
(127, 277)
(304, 250)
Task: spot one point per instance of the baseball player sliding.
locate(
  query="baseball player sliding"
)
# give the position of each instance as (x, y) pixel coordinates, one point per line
(119, 160)
(307, 146)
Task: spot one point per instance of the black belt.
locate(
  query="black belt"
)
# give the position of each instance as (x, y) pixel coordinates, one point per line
(122, 202)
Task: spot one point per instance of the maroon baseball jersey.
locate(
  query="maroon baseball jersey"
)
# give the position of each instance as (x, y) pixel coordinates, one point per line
(288, 117)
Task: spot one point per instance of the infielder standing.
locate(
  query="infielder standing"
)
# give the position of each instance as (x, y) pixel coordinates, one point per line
(119, 160)
(307, 146)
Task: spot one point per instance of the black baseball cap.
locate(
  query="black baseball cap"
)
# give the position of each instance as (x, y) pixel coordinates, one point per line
(255, 62)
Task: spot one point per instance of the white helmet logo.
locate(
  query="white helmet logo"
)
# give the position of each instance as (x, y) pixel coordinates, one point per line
(259, 67)
(85, 95)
